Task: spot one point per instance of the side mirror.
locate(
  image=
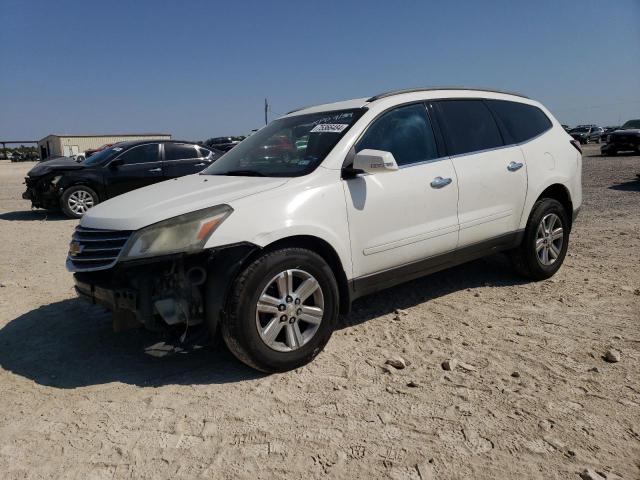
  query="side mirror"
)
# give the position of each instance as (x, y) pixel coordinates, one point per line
(374, 161)
(116, 163)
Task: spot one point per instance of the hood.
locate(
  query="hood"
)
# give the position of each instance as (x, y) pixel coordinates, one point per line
(629, 131)
(56, 164)
(171, 198)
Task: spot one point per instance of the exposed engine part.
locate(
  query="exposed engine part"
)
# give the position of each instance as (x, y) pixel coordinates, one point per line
(196, 275)
(176, 295)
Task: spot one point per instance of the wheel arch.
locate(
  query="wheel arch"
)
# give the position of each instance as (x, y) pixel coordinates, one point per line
(83, 182)
(322, 248)
(561, 193)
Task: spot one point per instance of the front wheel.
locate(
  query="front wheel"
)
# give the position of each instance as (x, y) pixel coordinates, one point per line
(281, 310)
(545, 242)
(77, 200)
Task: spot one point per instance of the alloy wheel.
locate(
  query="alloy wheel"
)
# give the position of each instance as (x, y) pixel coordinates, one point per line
(289, 310)
(549, 239)
(80, 201)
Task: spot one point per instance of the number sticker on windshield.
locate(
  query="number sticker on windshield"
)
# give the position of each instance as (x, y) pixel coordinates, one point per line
(329, 128)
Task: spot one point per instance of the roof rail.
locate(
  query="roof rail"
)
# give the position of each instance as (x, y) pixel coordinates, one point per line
(429, 89)
(298, 109)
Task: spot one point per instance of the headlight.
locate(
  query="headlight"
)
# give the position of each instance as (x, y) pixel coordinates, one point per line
(185, 233)
(608, 138)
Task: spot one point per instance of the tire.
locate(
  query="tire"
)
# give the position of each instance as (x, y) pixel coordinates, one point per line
(84, 198)
(526, 258)
(243, 318)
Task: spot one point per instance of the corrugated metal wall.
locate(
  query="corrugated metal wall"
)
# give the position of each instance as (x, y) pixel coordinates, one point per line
(57, 143)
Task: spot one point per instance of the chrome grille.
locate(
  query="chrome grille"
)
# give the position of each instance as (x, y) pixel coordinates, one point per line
(95, 249)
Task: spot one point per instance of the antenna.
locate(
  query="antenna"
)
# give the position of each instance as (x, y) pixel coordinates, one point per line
(266, 109)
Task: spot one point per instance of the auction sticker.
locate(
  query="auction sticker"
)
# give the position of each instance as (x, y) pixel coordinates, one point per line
(329, 128)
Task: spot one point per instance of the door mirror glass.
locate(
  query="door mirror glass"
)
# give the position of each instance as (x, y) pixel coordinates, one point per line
(374, 161)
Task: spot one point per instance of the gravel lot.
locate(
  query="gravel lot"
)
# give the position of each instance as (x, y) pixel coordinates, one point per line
(531, 396)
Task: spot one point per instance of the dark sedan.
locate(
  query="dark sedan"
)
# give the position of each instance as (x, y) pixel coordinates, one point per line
(76, 187)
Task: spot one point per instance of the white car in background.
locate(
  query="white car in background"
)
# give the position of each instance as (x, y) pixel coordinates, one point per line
(270, 248)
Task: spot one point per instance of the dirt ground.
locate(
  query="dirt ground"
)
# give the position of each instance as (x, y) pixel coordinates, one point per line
(532, 397)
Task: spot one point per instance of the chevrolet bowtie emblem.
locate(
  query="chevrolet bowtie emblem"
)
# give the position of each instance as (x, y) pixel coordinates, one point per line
(75, 249)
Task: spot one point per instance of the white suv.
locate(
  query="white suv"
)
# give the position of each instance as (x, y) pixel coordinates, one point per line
(327, 204)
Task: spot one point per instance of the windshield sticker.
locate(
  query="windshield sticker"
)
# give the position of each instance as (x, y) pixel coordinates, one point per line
(117, 149)
(329, 128)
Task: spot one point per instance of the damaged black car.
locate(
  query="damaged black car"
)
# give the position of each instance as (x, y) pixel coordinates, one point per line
(75, 187)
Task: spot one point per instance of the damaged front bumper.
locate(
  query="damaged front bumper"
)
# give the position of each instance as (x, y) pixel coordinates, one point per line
(160, 293)
(41, 192)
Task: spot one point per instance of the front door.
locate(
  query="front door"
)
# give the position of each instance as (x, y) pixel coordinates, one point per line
(492, 177)
(403, 216)
(136, 167)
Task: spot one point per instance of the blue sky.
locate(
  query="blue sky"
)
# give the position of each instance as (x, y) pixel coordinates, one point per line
(201, 68)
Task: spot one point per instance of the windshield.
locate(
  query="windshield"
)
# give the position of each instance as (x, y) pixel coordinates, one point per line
(103, 155)
(287, 147)
(580, 130)
(631, 124)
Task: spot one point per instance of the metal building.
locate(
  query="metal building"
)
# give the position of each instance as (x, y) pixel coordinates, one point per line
(68, 145)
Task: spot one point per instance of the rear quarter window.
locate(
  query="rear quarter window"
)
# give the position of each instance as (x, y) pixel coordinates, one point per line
(521, 121)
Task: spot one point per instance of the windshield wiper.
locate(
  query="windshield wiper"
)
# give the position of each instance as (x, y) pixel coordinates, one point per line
(242, 173)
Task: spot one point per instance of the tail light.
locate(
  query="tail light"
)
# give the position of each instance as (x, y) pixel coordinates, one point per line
(576, 144)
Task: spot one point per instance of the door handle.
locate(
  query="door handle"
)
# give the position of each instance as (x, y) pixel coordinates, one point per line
(155, 170)
(513, 166)
(440, 182)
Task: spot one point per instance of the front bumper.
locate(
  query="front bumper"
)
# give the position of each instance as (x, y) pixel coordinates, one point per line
(41, 193)
(110, 298)
(136, 286)
(620, 147)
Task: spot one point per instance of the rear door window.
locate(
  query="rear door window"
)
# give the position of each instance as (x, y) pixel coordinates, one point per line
(179, 151)
(405, 132)
(141, 154)
(468, 126)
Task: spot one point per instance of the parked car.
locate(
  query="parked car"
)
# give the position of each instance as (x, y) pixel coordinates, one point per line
(223, 144)
(606, 131)
(77, 186)
(93, 151)
(586, 134)
(626, 138)
(388, 189)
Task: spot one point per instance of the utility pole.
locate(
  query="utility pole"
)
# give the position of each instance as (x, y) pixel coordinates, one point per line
(266, 109)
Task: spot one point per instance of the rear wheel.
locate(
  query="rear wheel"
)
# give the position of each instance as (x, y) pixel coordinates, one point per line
(77, 200)
(282, 310)
(545, 242)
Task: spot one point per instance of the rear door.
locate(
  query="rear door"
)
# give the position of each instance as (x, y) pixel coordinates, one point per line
(399, 217)
(183, 159)
(492, 176)
(134, 168)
